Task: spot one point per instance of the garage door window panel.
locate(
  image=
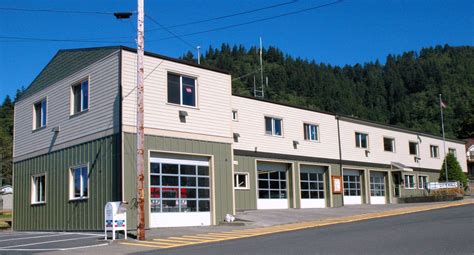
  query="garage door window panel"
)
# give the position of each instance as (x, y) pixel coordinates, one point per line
(312, 185)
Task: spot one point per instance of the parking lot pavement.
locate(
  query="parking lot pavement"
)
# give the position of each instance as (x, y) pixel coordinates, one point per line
(36, 242)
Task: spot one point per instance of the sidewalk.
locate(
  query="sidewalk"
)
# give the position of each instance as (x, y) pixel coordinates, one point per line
(267, 218)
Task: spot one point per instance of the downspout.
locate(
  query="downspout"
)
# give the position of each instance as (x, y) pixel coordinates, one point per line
(340, 153)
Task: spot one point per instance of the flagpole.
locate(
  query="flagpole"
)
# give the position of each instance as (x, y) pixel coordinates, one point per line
(444, 139)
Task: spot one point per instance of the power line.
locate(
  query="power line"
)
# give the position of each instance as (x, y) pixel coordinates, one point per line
(53, 11)
(171, 32)
(254, 21)
(227, 16)
(23, 39)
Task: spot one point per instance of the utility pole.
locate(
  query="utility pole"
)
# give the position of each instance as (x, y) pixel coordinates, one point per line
(261, 68)
(140, 121)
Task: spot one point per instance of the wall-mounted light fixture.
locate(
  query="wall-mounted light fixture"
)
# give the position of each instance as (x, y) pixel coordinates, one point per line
(236, 137)
(367, 153)
(182, 116)
(295, 144)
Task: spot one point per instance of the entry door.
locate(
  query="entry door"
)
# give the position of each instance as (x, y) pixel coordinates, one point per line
(272, 187)
(179, 192)
(396, 184)
(312, 186)
(352, 187)
(377, 188)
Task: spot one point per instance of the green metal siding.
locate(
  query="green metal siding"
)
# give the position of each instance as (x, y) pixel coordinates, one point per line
(246, 199)
(223, 178)
(59, 213)
(432, 177)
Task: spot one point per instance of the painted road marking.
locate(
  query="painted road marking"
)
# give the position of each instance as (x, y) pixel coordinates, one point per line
(54, 241)
(31, 237)
(172, 242)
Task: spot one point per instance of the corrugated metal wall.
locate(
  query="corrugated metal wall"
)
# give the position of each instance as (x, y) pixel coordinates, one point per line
(223, 178)
(59, 213)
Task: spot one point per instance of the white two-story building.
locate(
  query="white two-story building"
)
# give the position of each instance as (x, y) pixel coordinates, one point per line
(208, 152)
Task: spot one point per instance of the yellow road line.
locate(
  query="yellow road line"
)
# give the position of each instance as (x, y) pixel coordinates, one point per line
(173, 242)
(145, 245)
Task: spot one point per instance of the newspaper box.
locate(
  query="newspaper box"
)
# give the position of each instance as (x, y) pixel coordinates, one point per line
(115, 218)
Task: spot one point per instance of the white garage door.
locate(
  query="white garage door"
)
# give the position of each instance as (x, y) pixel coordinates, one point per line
(272, 186)
(312, 187)
(179, 192)
(352, 187)
(377, 188)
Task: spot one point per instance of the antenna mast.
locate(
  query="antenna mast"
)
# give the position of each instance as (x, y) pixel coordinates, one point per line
(260, 92)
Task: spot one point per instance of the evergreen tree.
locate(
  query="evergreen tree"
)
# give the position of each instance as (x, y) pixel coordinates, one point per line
(454, 170)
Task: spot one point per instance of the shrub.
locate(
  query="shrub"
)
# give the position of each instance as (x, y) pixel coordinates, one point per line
(446, 192)
(454, 171)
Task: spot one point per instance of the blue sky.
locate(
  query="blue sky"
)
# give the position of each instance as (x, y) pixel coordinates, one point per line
(346, 33)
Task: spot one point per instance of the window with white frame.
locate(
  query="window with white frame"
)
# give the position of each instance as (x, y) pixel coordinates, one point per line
(38, 189)
(79, 182)
(273, 126)
(80, 97)
(352, 185)
(182, 90)
(413, 147)
(409, 181)
(241, 180)
(452, 151)
(235, 115)
(434, 151)
(389, 144)
(311, 132)
(362, 140)
(39, 114)
(422, 181)
(271, 184)
(377, 186)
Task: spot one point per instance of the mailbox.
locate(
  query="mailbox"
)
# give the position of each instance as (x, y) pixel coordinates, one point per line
(115, 218)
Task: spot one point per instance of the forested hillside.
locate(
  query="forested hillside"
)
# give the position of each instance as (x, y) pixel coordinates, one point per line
(403, 91)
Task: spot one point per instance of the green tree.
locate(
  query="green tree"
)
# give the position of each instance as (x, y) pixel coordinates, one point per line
(454, 171)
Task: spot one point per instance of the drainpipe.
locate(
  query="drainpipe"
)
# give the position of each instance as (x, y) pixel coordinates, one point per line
(340, 154)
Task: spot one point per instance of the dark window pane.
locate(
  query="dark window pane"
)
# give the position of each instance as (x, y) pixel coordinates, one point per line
(274, 175)
(170, 205)
(189, 91)
(155, 168)
(268, 125)
(283, 194)
(262, 175)
(263, 194)
(173, 89)
(155, 180)
(37, 115)
(169, 169)
(76, 90)
(188, 193)
(313, 185)
(188, 181)
(321, 194)
(314, 194)
(85, 95)
(313, 177)
(204, 206)
(203, 182)
(203, 170)
(304, 194)
(155, 192)
(188, 206)
(203, 193)
(170, 192)
(170, 180)
(274, 185)
(274, 194)
(263, 184)
(352, 193)
(277, 126)
(304, 185)
(77, 182)
(303, 176)
(188, 170)
(282, 184)
(85, 182)
(283, 175)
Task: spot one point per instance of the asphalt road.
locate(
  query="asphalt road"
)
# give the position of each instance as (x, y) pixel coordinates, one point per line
(442, 231)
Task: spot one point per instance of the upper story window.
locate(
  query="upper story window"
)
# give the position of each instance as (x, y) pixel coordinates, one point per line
(235, 115)
(181, 90)
(362, 140)
(434, 151)
(273, 126)
(413, 146)
(80, 97)
(79, 182)
(452, 151)
(311, 132)
(39, 115)
(38, 189)
(389, 144)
